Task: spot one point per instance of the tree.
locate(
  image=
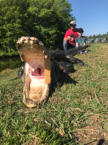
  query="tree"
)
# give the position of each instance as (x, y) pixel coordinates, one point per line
(50, 20)
(11, 23)
(46, 19)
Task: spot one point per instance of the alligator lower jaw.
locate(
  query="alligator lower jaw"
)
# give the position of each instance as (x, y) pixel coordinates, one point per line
(36, 95)
(36, 90)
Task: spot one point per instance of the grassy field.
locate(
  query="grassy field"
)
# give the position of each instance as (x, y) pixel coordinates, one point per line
(75, 114)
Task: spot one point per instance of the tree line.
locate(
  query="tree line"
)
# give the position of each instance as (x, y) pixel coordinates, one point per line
(47, 20)
(100, 38)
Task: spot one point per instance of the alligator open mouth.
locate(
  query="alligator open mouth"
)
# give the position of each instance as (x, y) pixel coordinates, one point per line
(35, 73)
(37, 70)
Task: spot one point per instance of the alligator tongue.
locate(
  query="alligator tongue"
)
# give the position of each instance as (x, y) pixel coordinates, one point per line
(38, 72)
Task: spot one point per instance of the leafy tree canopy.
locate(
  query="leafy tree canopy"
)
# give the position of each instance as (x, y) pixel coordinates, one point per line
(46, 20)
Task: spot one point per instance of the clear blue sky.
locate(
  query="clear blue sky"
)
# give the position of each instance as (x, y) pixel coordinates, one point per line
(91, 15)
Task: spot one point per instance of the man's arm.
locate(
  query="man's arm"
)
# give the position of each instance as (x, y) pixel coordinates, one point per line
(76, 41)
(67, 38)
(84, 42)
(76, 45)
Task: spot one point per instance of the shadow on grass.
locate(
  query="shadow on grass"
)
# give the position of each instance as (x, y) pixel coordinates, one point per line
(59, 78)
(103, 142)
(9, 62)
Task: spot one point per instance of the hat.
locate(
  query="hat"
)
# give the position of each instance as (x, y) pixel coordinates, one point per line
(73, 22)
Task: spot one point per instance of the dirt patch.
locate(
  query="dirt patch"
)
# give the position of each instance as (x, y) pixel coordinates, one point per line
(93, 133)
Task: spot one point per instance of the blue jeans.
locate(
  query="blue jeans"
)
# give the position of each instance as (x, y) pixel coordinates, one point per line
(65, 45)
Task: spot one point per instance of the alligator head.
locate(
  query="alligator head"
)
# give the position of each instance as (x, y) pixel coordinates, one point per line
(37, 76)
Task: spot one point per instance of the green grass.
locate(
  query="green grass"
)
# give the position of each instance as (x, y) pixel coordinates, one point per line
(9, 62)
(8, 53)
(65, 118)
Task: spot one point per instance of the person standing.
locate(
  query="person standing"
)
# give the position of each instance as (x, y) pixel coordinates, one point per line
(69, 37)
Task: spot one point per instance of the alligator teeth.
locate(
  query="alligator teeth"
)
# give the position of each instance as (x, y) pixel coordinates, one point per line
(46, 56)
(33, 69)
(31, 42)
(26, 41)
(43, 51)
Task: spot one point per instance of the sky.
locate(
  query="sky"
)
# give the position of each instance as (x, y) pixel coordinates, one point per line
(91, 15)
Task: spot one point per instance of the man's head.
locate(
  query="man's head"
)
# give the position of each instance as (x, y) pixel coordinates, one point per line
(73, 24)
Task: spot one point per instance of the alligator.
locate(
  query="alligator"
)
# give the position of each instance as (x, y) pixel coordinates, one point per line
(42, 68)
